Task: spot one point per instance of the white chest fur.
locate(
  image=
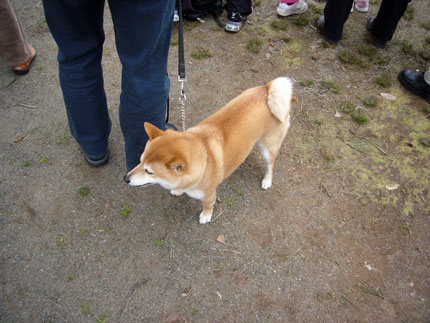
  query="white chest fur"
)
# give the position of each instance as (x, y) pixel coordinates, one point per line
(196, 194)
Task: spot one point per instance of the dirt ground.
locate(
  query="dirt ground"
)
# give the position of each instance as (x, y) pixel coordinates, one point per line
(342, 236)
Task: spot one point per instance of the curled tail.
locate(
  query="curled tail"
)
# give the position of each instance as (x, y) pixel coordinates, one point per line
(280, 97)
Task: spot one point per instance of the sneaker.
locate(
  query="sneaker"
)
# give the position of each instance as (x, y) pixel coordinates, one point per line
(375, 41)
(320, 28)
(96, 162)
(24, 68)
(176, 16)
(362, 5)
(414, 82)
(234, 22)
(285, 10)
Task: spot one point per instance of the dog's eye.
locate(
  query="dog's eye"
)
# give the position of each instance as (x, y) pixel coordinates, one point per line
(148, 172)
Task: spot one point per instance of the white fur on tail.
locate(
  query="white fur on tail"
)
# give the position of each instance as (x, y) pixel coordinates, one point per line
(279, 98)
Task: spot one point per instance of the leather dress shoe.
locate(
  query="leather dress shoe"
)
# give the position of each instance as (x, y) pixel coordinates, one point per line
(24, 68)
(414, 82)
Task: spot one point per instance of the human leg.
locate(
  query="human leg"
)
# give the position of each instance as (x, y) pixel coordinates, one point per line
(77, 27)
(388, 17)
(142, 32)
(336, 12)
(14, 48)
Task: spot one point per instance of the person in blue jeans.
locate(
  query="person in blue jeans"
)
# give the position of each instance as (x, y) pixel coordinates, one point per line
(142, 35)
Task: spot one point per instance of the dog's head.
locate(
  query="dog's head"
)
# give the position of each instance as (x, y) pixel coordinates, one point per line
(169, 159)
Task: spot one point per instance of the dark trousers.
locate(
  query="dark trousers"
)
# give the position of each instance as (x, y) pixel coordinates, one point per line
(244, 7)
(336, 12)
(142, 34)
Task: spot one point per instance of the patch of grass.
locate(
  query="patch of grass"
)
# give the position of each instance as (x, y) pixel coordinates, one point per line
(125, 212)
(61, 242)
(174, 42)
(306, 83)
(426, 111)
(315, 9)
(85, 308)
(407, 48)
(409, 14)
(70, 278)
(425, 55)
(12, 161)
(330, 86)
(44, 160)
(62, 139)
(201, 53)
(328, 154)
(102, 319)
(83, 232)
(230, 202)
(280, 24)
(381, 61)
(318, 122)
(368, 51)
(256, 3)
(425, 142)
(359, 117)
(348, 57)
(301, 20)
(254, 46)
(425, 25)
(26, 163)
(384, 80)
(40, 68)
(347, 107)
(325, 44)
(371, 101)
(159, 243)
(286, 40)
(84, 191)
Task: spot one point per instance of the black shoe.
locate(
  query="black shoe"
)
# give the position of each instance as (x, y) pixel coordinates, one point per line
(320, 28)
(375, 41)
(414, 82)
(98, 162)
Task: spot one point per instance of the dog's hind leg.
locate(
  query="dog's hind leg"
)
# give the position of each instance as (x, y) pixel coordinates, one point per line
(269, 147)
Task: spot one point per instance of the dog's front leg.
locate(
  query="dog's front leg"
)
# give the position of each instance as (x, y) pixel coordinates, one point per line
(208, 206)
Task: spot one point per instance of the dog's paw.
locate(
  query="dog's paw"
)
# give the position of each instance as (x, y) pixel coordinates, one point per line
(205, 218)
(176, 193)
(266, 183)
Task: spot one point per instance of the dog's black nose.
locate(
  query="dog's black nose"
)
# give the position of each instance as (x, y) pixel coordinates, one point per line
(127, 179)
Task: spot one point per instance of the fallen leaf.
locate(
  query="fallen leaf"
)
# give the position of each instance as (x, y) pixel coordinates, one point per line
(392, 187)
(388, 96)
(221, 239)
(337, 115)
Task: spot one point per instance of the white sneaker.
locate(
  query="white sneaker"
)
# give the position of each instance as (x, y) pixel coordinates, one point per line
(285, 10)
(176, 16)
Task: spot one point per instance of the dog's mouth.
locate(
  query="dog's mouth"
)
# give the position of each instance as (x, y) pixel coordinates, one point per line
(143, 185)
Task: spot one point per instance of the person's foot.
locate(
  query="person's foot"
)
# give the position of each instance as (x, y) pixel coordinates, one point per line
(320, 27)
(361, 5)
(414, 82)
(375, 41)
(24, 68)
(285, 10)
(234, 22)
(97, 162)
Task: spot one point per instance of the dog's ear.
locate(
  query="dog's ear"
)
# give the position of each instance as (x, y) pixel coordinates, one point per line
(176, 164)
(152, 131)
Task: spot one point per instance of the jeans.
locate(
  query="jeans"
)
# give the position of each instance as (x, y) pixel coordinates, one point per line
(142, 35)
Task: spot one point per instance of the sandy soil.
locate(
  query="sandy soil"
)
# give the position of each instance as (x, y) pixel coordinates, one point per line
(341, 236)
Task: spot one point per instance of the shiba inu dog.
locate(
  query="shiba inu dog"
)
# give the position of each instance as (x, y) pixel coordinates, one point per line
(197, 160)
